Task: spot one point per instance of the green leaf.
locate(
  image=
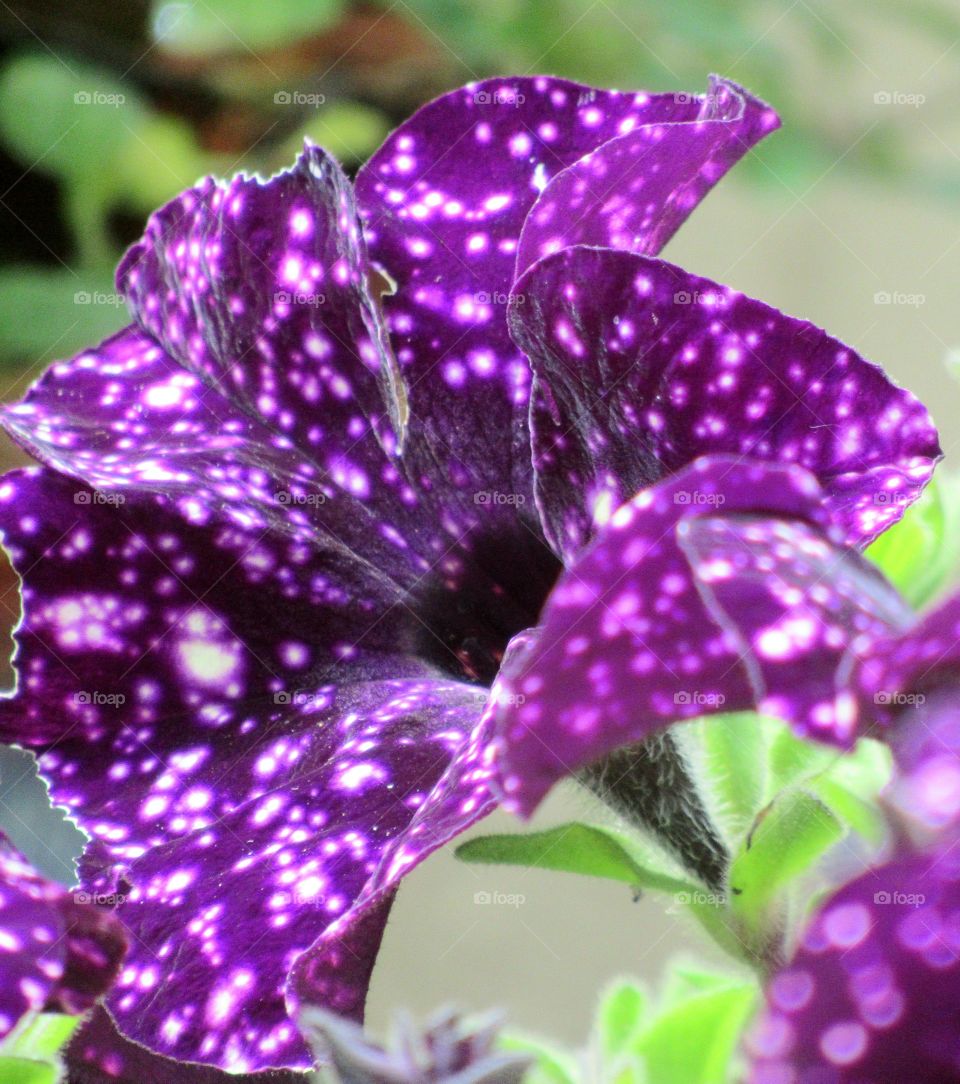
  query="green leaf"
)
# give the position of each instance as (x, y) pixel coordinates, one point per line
(920, 554)
(51, 313)
(69, 119)
(599, 852)
(40, 1035)
(862, 816)
(28, 1055)
(24, 1071)
(734, 751)
(572, 848)
(694, 1041)
(620, 1017)
(793, 758)
(787, 839)
(201, 27)
(685, 980)
(552, 1066)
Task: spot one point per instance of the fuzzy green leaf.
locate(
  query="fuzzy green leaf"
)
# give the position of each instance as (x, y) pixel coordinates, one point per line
(787, 839)
(572, 848)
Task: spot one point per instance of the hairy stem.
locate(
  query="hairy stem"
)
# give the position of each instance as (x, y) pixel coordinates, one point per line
(650, 786)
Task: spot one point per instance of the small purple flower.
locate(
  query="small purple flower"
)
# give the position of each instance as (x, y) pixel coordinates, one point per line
(59, 952)
(294, 518)
(871, 994)
(872, 990)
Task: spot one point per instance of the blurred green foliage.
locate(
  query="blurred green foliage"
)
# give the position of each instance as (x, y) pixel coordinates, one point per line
(342, 73)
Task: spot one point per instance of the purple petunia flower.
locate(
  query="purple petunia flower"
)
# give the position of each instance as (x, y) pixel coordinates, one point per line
(871, 992)
(58, 951)
(295, 517)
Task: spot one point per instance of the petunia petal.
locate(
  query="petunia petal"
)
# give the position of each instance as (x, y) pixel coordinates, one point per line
(709, 592)
(871, 993)
(900, 670)
(218, 917)
(263, 288)
(463, 795)
(640, 367)
(634, 191)
(223, 751)
(129, 613)
(58, 951)
(98, 1054)
(444, 201)
(238, 395)
(925, 791)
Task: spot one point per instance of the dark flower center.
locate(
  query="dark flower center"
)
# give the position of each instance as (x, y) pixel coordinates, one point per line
(469, 615)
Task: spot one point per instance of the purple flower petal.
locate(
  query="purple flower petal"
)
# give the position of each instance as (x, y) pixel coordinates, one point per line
(98, 1054)
(636, 190)
(263, 289)
(239, 394)
(462, 796)
(872, 992)
(444, 201)
(221, 915)
(900, 668)
(226, 754)
(712, 591)
(926, 748)
(58, 951)
(640, 367)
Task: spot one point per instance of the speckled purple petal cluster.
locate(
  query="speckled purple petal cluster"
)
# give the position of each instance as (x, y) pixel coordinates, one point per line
(291, 522)
(723, 588)
(59, 951)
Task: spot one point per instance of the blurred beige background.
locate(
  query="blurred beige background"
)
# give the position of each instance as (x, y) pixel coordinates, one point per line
(822, 248)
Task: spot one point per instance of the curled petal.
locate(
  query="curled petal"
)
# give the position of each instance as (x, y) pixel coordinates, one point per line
(715, 590)
(640, 367)
(263, 288)
(634, 191)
